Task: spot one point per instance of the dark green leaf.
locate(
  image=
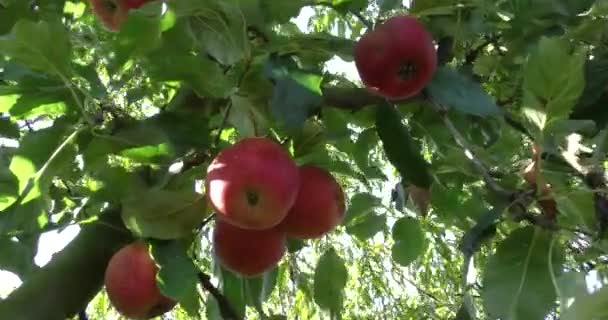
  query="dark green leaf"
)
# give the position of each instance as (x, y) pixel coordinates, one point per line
(551, 92)
(367, 226)
(10, 12)
(43, 46)
(517, 278)
(387, 5)
(294, 245)
(140, 34)
(17, 257)
(164, 214)
(222, 31)
(410, 241)
(296, 92)
(463, 313)
(485, 227)
(233, 287)
(115, 183)
(9, 187)
(596, 80)
(8, 129)
(246, 118)
(177, 275)
(260, 288)
(143, 142)
(295, 97)
(572, 285)
(281, 11)
(361, 204)
(329, 281)
(202, 74)
(364, 152)
(585, 305)
(453, 89)
(400, 148)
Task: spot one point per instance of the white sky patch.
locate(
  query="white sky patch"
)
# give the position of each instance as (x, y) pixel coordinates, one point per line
(52, 242)
(8, 282)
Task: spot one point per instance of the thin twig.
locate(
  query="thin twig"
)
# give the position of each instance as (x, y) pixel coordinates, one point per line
(206, 221)
(368, 24)
(226, 309)
(462, 142)
(222, 124)
(419, 289)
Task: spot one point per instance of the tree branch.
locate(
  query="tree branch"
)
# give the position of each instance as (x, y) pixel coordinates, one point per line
(65, 285)
(354, 98)
(226, 309)
(462, 142)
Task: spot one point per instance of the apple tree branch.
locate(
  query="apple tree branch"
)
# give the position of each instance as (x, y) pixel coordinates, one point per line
(226, 309)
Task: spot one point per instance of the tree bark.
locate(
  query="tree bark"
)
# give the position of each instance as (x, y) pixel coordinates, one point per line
(73, 277)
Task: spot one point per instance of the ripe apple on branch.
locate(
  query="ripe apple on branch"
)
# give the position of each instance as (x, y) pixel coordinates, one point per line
(114, 13)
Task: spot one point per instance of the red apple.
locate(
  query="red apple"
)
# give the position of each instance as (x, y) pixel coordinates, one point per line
(319, 207)
(247, 252)
(114, 13)
(130, 282)
(396, 59)
(252, 184)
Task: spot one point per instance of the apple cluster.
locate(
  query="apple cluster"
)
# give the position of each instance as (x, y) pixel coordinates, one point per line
(261, 198)
(397, 59)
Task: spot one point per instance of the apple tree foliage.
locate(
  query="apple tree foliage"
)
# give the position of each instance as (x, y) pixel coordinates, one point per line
(483, 197)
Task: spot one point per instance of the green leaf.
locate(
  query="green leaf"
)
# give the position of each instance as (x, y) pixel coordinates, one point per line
(140, 34)
(400, 148)
(295, 245)
(114, 183)
(221, 29)
(246, 118)
(164, 214)
(364, 152)
(17, 257)
(485, 226)
(43, 46)
(410, 241)
(8, 129)
(233, 288)
(42, 155)
(572, 285)
(202, 74)
(596, 79)
(329, 281)
(577, 208)
(552, 92)
(361, 205)
(33, 95)
(388, 5)
(10, 12)
(9, 187)
(177, 275)
(142, 142)
(296, 93)
(366, 227)
(517, 278)
(453, 89)
(281, 11)
(260, 288)
(585, 306)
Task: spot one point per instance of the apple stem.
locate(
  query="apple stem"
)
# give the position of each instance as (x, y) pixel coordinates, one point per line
(407, 71)
(252, 198)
